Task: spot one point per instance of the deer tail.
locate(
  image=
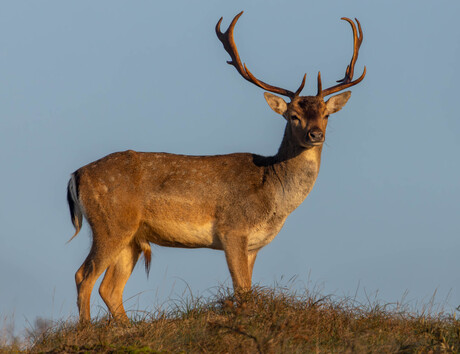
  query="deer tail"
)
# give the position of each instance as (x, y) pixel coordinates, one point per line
(75, 208)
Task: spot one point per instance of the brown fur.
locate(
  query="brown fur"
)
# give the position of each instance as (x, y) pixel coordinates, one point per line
(236, 203)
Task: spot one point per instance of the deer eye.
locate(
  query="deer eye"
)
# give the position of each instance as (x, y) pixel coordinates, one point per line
(295, 118)
(326, 117)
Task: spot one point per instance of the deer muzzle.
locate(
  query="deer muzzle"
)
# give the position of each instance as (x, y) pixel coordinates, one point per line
(315, 136)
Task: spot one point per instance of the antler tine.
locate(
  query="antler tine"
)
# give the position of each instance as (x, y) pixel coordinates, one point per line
(229, 44)
(302, 84)
(347, 80)
(356, 44)
(320, 85)
(228, 41)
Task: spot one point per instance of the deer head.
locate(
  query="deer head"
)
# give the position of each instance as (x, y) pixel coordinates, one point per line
(307, 116)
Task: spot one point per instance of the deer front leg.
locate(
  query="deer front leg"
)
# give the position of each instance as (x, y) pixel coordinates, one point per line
(251, 260)
(237, 255)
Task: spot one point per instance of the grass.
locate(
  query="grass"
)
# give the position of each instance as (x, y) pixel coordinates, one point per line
(265, 321)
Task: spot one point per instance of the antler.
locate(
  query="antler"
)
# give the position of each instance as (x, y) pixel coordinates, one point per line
(347, 80)
(230, 46)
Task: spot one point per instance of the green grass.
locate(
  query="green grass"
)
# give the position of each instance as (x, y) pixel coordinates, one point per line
(265, 321)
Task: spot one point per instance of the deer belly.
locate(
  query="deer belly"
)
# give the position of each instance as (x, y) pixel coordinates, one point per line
(173, 233)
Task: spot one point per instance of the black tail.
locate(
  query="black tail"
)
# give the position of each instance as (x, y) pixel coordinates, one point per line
(74, 204)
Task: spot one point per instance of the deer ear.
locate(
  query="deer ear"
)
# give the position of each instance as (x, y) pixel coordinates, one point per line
(336, 103)
(276, 103)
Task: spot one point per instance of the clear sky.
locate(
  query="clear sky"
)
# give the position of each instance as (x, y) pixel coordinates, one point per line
(79, 80)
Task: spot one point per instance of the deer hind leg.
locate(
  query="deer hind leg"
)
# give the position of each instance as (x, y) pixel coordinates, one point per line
(113, 284)
(85, 278)
(104, 251)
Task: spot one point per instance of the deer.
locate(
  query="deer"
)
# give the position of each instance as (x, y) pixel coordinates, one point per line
(236, 203)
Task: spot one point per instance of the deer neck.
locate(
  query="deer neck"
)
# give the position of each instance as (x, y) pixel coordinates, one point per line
(296, 169)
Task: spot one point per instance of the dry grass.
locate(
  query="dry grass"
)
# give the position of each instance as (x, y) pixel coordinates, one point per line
(266, 321)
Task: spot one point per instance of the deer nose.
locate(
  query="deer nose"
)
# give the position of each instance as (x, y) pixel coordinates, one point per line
(315, 135)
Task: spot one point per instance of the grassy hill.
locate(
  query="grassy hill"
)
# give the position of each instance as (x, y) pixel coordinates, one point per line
(267, 321)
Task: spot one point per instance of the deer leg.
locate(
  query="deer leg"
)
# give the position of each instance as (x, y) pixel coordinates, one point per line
(251, 260)
(104, 251)
(113, 284)
(236, 254)
(85, 278)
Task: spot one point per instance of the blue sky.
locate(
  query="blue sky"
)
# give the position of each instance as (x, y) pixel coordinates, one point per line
(83, 79)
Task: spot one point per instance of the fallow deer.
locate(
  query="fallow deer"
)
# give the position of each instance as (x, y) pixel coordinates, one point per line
(236, 203)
